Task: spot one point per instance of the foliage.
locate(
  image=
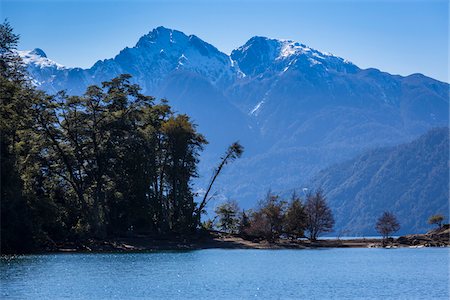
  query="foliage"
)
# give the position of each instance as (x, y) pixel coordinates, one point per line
(274, 217)
(208, 224)
(228, 218)
(16, 99)
(295, 218)
(91, 165)
(244, 222)
(267, 220)
(387, 224)
(436, 219)
(399, 176)
(319, 216)
(233, 152)
(259, 226)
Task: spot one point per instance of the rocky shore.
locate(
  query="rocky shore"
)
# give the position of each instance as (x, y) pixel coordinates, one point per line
(435, 238)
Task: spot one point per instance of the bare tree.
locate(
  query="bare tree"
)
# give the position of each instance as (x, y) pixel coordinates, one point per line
(387, 224)
(436, 219)
(319, 216)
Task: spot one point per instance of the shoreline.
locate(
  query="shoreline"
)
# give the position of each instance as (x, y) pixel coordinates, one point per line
(217, 240)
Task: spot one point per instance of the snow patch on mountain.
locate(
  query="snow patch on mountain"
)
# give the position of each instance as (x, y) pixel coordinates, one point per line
(254, 111)
(261, 54)
(38, 58)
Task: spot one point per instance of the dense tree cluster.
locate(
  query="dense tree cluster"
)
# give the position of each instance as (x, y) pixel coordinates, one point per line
(109, 161)
(275, 217)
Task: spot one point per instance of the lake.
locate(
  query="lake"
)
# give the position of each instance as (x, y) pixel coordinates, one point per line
(231, 274)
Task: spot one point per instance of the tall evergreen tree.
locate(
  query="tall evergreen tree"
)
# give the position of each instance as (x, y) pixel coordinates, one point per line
(295, 219)
(319, 216)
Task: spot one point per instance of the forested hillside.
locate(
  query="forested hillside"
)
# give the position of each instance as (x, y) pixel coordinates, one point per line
(411, 180)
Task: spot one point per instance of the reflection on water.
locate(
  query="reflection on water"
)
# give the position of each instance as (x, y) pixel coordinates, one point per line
(231, 274)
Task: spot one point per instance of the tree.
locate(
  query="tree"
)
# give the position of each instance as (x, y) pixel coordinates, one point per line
(295, 218)
(319, 216)
(227, 214)
(11, 65)
(259, 226)
(16, 99)
(244, 223)
(386, 225)
(436, 219)
(233, 152)
(92, 165)
(183, 145)
(273, 208)
(267, 220)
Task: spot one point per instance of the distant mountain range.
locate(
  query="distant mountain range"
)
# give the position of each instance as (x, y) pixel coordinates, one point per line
(411, 180)
(296, 110)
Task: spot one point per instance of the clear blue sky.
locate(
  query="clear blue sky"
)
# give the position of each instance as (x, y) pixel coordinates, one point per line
(400, 37)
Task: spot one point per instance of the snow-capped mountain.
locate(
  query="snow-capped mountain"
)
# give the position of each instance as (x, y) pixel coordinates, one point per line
(156, 57)
(294, 108)
(167, 64)
(163, 52)
(261, 54)
(42, 70)
(38, 59)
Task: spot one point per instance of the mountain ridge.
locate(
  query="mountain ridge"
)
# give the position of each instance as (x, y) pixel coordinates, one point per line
(410, 180)
(296, 110)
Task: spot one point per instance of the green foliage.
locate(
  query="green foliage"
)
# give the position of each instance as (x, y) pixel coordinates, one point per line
(208, 224)
(11, 66)
(228, 218)
(411, 177)
(234, 151)
(436, 219)
(295, 219)
(244, 222)
(16, 99)
(91, 165)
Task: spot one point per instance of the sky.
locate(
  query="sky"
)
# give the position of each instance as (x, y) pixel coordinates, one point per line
(399, 36)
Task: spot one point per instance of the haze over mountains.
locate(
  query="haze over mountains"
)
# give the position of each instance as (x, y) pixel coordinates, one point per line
(295, 109)
(411, 180)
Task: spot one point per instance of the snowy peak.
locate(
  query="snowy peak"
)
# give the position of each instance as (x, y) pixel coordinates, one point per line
(162, 37)
(164, 51)
(261, 53)
(168, 40)
(38, 59)
(39, 52)
(256, 55)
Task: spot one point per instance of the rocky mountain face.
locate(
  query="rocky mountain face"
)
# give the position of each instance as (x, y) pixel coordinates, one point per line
(411, 180)
(295, 109)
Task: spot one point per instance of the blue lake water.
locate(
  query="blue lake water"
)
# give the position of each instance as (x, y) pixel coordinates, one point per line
(231, 274)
